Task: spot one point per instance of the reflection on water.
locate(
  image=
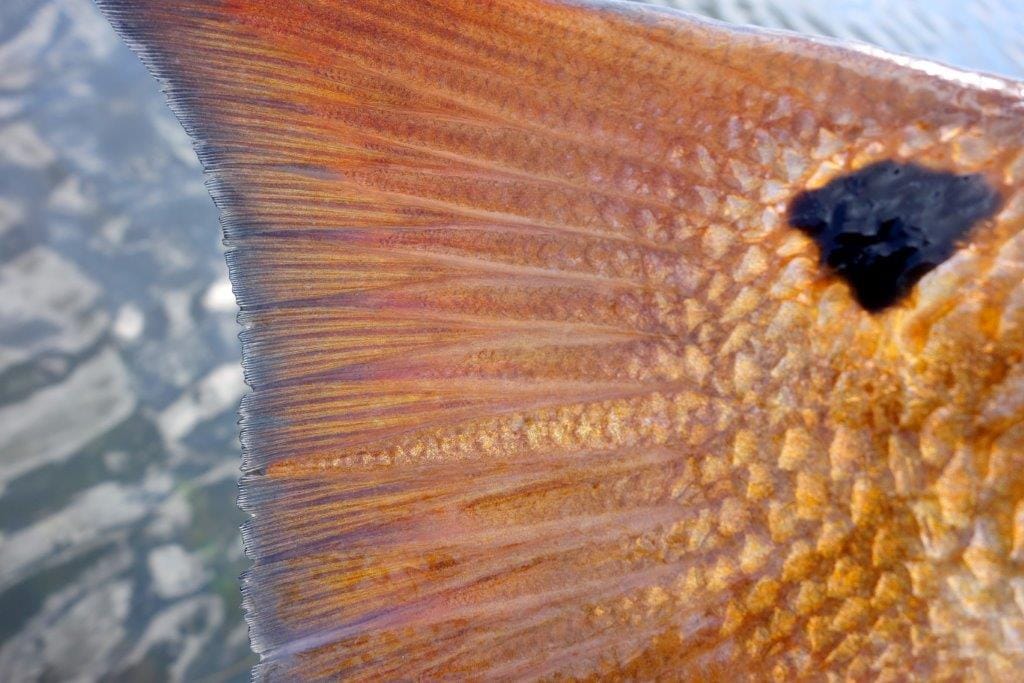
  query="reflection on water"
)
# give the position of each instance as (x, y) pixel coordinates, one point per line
(985, 35)
(119, 372)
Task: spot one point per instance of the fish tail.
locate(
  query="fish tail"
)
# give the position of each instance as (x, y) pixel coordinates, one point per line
(543, 383)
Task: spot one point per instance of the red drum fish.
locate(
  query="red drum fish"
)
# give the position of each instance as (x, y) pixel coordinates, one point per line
(588, 340)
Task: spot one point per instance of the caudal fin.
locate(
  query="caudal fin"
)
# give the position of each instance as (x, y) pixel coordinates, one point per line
(543, 383)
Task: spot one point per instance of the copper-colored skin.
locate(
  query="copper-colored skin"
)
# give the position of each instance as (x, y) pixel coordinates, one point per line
(544, 386)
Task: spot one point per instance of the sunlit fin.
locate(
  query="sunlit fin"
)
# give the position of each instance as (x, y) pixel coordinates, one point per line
(543, 383)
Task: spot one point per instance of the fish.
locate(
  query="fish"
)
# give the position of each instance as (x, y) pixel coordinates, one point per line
(588, 340)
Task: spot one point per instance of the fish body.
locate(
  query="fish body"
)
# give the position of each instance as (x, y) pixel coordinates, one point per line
(550, 381)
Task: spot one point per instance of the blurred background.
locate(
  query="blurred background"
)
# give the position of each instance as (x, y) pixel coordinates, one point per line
(119, 358)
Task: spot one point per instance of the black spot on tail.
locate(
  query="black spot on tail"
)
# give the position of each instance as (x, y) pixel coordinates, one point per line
(882, 228)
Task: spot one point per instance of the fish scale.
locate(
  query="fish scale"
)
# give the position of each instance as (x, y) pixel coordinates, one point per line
(545, 385)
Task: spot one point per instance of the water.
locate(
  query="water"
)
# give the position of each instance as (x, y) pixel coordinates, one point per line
(119, 372)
